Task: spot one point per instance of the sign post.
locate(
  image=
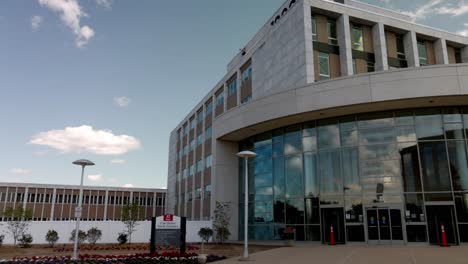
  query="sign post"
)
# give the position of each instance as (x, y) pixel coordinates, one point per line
(170, 230)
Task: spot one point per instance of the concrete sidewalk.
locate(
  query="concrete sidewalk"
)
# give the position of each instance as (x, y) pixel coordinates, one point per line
(351, 254)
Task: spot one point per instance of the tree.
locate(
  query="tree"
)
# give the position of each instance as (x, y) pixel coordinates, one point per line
(205, 233)
(25, 240)
(221, 221)
(93, 235)
(81, 236)
(52, 237)
(129, 218)
(18, 221)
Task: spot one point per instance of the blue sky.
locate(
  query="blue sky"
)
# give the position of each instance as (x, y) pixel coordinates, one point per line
(108, 80)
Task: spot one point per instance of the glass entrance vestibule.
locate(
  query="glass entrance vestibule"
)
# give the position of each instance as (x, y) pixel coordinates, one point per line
(378, 178)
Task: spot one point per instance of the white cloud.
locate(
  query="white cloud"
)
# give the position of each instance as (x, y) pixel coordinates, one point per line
(128, 185)
(71, 13)
(36, 22)
(459, 10)
(122, 101)
(95, 178)
(422, 11)
(118, 161)
(20, 171)
(463, 32)
(105, 3)
(86, 139)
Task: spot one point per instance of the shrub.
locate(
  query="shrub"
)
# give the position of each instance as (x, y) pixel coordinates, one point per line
(93, 235)
(25, 240)
(122, 238)
(81, 236)
(205, 233)
(52, 237)
(1, 239)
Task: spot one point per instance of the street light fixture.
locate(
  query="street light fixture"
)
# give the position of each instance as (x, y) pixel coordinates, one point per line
(246, 155)
(83, 163)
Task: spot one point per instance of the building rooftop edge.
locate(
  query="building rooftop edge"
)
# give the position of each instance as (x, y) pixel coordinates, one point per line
(44, 185)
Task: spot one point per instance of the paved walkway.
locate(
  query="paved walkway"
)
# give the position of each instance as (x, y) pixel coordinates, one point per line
(351, 254)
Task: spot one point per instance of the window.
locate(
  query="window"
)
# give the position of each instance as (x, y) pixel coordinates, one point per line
(192, 170)
(185, 150)
(354, 66)
(400, 47)
(192, 123)
(458, 56)
(185, 173)
(332, 39)
(207, 190)
(314, 28)
(200, 166)
(185, 129)
(189, 196)
(370, 66)
(198, 193)
(358, 42)
(220, 99)
(232, 87)
(324, 66)
(208, 133)
(208, 161)
(422, 53)
(192, 144)
(200, 116)
(246, 74)
(247, 99)
(199, 139)
(209, 108)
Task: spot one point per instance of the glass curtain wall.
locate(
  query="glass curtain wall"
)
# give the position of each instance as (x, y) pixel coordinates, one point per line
(405, 158)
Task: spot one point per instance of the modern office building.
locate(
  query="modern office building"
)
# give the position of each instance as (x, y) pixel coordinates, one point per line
(359, 118)
(58, 202)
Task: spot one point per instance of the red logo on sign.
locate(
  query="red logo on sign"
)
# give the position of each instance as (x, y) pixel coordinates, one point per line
(168, 217)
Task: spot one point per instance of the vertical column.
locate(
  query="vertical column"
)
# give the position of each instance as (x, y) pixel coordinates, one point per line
(464, 54)
(309, 49)
(225, 93)
(25, 198)
(344, 40)
(52, 209)
(202, 199)
(380, 47)
(106, 201)
(239, 81)
(440, 50)
(411, 49)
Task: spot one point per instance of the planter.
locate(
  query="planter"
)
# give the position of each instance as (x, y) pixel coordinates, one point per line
(202, 258)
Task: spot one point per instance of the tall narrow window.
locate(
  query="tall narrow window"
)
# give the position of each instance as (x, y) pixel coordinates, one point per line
(332, 39)
(209, 108)
(324, 65)
(220, 99)
(314, 28)
(400, 47)
(422, 53)
(232, 87)
(246, 74)
(358, 42)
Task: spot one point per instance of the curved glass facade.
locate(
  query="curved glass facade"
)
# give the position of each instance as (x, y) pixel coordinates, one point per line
(391, 176)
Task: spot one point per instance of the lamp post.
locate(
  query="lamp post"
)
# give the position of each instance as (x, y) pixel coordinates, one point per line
(246, 155)
(83, 163)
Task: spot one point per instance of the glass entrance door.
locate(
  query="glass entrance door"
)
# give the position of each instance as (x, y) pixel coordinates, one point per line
(384, 226)
(333, 217)
(438, 215)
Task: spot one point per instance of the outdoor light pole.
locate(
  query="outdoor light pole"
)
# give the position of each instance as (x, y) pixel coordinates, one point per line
(246, 155)
(83, 163)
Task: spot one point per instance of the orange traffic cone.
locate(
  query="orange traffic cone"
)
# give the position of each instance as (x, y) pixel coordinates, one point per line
(444, 237)
(332, 237)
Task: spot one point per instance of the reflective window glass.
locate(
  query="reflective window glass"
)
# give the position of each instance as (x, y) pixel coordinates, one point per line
(429, 125)
(376, 135)
(292, 141)
(263, 193)
(454, 131)
(452, 115)
(263, 212)
(458, 164)
(330, 178)
(312, 211)
(414, 208)
(309, 144)
(263, 166)
(263, 139)
(309, 130)
(278, 173)
(404, 118)
(376, 120)
(328, 135)
(263, 152)
(311, 179)
(293, 172)
(349, 138)
(348, 123)
(353, 209)
(388, 151)
(405, 133)
(410, 167)
(461, 204)
(279, 211)
(350, 170)
(434, 165)
(295, 211)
